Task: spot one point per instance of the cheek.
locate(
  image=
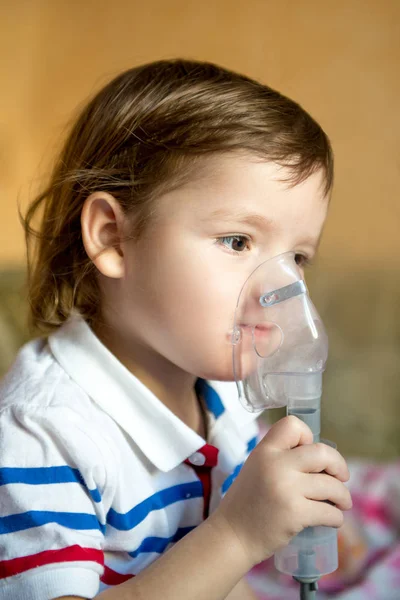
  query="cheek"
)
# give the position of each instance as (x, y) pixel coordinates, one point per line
(213, 293)
(195, 324)
(198, 280)
(202, 302)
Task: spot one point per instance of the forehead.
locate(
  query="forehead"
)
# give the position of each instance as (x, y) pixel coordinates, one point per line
(245, 187)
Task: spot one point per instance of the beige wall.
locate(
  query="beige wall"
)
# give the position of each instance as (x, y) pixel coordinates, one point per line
(340, 59)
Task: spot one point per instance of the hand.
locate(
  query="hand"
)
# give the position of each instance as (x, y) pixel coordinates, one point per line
(280, 487)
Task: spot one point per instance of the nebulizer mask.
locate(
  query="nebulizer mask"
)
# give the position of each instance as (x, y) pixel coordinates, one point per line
(280, 349)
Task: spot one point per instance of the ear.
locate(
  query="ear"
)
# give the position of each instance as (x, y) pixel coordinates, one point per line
(102, 222)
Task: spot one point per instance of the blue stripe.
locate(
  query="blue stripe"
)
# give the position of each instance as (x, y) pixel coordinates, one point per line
(184, 491)
(212, 400)
(252, 444)
(36, 518)
(229, 480)
(159, 544)
(45, 476)
(95, 495)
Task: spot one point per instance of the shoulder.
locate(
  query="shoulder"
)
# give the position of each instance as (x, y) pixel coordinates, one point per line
(36, 382)
(42, 410)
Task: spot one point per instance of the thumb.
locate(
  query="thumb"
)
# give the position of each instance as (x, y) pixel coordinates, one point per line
(288, 433)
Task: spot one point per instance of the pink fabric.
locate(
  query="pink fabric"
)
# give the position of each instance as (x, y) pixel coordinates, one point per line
(369, 544)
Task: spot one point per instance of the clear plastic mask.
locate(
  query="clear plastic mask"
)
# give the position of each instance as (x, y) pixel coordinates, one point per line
(280, 346)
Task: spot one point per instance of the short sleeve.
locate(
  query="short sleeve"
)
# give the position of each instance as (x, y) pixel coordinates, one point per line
(52, 514)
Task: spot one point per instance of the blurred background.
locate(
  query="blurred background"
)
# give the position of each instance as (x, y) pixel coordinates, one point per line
(340, 60)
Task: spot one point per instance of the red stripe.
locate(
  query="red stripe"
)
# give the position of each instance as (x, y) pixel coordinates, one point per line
(111, 577)
(204, 474)
(11, 567)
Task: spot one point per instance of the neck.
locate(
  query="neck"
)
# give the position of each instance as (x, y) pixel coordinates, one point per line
(170, 384)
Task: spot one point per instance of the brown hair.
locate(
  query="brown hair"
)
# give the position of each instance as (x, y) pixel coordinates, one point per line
(138, 138)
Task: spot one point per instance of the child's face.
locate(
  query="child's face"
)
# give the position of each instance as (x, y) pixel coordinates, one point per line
(183, 279)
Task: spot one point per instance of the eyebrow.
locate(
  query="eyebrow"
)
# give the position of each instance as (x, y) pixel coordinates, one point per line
(252, 219)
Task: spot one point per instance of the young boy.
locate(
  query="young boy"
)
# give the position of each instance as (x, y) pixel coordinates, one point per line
(121, 433)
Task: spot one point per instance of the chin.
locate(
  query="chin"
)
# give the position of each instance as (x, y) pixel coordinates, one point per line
(222, 372)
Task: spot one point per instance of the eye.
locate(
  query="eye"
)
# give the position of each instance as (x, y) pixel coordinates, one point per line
(302, 260)
(235, 243)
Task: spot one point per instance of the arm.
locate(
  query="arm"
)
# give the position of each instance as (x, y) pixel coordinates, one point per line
(206, 564)
(242, 591)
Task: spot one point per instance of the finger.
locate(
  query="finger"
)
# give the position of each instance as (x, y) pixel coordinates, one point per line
(315, 458)
(324, 487)
(288, 433)
(321, 513)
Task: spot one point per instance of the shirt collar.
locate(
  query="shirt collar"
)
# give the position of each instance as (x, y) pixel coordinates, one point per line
(164, 439)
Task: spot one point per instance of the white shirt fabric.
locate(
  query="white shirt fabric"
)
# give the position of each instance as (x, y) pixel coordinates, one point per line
(93, 480)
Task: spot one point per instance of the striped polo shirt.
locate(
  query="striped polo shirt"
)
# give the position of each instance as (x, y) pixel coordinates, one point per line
(97, 476)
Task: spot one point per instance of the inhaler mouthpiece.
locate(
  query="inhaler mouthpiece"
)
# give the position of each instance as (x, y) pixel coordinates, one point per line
(280, 346)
